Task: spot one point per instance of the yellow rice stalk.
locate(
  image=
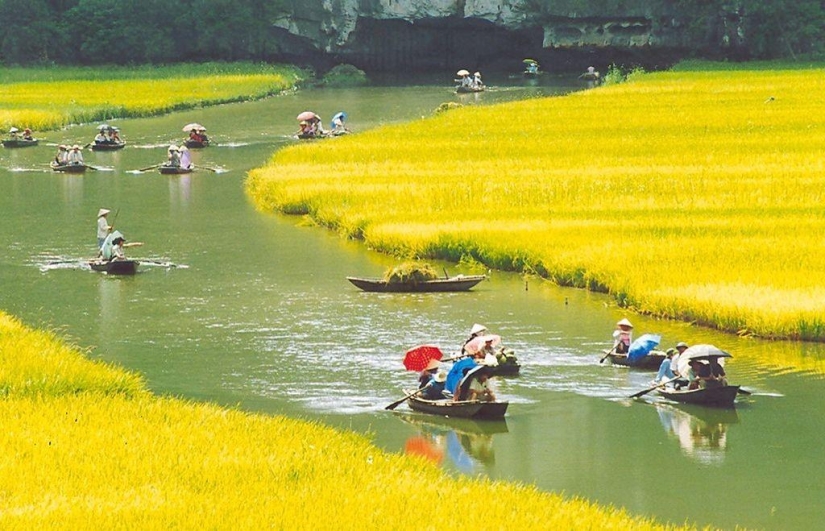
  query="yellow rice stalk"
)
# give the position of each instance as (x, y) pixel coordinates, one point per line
(690, 195)
(94, 450)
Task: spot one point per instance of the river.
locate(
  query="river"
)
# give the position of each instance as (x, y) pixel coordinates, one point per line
(252, 310)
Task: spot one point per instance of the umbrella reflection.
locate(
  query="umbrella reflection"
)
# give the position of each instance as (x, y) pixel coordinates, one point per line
(467, 444)
(701, 432)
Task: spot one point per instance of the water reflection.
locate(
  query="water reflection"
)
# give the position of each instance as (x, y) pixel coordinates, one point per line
(467, 444)
(701, 432)
(180, 191)
(71, 186)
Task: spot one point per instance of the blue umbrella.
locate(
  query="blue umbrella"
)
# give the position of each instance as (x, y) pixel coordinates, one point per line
(342, 115)
(458, 455)
(457, 373)
(642, 346)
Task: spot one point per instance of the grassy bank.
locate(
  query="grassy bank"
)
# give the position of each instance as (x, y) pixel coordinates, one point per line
(693, 194)
(50, 98)
(87, 447)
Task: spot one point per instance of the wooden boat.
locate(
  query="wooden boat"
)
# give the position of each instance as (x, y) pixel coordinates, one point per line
(174, 170)
(107, 146)
(115, 267)
(464, 409)
(468, 90)
(721, 396)
(68, 168)
(311, 137)
(19, 143)
(649, 362)
(195, 144)
(456, 283)
(509, 368)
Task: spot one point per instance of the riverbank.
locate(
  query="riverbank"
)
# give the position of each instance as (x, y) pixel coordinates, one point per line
(88, 446)
(50, 98)
(689, 194)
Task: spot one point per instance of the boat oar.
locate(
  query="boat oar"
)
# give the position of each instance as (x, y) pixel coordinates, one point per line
(398, 402)
(152, 167)
(609, 352)
(660, 384)
(743, 392)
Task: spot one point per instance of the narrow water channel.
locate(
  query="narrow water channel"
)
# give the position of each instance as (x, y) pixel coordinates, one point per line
(252, 310)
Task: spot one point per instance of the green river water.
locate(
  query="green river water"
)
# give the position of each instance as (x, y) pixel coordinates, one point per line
(252, 310)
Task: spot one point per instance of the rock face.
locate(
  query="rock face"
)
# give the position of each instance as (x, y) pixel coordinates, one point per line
(434, 34)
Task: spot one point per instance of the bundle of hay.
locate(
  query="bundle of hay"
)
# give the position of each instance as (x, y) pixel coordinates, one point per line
(410, 273)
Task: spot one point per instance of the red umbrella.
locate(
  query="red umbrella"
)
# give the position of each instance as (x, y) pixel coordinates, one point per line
(417, 358)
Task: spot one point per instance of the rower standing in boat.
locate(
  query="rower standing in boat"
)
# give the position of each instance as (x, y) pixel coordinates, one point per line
(622, 337)
(103, 227)
(681, 346)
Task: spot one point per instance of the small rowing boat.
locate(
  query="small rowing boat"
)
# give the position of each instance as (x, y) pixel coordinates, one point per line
(649, 362)
(717, 396)
(115, 267)
(19, 143)
(69, 168)
(196, 144)
(465, 409)
(107, 146)
(174, 170)
(456, 283)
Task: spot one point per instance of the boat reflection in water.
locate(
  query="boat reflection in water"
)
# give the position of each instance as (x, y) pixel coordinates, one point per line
(463, 444)
(702, 432)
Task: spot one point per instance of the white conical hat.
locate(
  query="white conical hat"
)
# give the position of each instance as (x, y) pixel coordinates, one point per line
(477, 329)
(624, 322)
(103, 212)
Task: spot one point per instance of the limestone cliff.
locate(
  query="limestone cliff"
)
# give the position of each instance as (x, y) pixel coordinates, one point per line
(425, 34)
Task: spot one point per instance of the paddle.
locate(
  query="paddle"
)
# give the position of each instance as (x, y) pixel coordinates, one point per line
(609, 352)
(398, 402)
(660, 384)
(133, 244)
(151, 167)
(743, 392)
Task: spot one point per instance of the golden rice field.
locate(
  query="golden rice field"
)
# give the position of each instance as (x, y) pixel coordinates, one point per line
(694, 194)
(50, 98)
(86, 446)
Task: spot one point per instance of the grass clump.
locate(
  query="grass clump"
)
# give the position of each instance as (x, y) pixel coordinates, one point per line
(410, 273)
(344, 76)
(97, 451)
(692, 194)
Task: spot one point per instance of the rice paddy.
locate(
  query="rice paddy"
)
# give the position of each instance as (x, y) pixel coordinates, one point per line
(86, 446)
(50, 98)
(694, 194)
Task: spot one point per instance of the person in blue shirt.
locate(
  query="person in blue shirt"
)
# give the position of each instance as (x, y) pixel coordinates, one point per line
(435, 390)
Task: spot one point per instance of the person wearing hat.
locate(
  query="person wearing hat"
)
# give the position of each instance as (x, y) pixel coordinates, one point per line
(480, 386)
(435, 391)
(622, 337)
(475, 331)
(27, 134)
(477, 83)
(681, 346)
(185, 158)
(103, 227)
(62, 156)
(173, 156)
(75, 156)
(428, 373)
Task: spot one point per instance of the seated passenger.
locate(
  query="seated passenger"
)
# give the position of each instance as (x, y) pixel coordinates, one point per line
(27, 134)
(114, 136)
(112, 248)
(101, 138)
(173, 156)
(717, 372)
(666, 367)
(427, 374)
(480, 387)
(698, 375)
(435, 391)
(75, 156)
(185, 158)
(62, 156)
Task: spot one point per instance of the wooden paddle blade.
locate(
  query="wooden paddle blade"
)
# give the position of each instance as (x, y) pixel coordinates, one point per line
(398, 402)
(660, 384)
